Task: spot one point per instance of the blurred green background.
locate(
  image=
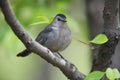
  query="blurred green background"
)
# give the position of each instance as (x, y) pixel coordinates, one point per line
(34, 67)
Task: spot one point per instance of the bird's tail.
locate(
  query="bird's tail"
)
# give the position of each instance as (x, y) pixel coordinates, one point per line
(24, 53)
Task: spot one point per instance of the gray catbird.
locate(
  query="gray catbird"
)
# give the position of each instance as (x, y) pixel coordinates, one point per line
(56, 36)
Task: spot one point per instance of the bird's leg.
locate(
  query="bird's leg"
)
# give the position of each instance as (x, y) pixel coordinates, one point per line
(61, 56)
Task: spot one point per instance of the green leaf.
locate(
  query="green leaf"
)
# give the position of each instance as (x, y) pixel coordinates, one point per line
(51, 19)
(116, 73)
(112, 74)
(109, 74)
(100, 39)
(41, 20)
(96, 75)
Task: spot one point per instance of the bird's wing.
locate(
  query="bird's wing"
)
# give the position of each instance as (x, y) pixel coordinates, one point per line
(42, 36)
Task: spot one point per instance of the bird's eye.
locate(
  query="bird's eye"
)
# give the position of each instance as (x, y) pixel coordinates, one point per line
(58, 19)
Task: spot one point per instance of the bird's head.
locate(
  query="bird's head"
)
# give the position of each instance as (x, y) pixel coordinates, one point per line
(61, 17)
(59, 20)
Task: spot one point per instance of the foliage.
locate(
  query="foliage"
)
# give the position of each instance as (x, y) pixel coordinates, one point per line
(100, 39)
(111, 74)
(96, 75)
(42, 20)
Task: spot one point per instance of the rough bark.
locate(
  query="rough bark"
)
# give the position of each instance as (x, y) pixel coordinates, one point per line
(102, 58)
(94, 16)
(95, 19)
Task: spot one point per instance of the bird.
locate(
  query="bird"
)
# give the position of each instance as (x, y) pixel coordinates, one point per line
(56, 36)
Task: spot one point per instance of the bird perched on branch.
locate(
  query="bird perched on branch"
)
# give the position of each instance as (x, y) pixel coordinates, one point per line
(56, 36)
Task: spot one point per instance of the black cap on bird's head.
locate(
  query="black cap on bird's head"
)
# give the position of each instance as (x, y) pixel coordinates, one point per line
(61, 17)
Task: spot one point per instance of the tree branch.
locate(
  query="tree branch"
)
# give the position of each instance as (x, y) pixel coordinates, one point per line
(102, 58)
(69, 70)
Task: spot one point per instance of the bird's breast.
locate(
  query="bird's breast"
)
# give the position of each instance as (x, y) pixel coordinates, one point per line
(58, 39)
